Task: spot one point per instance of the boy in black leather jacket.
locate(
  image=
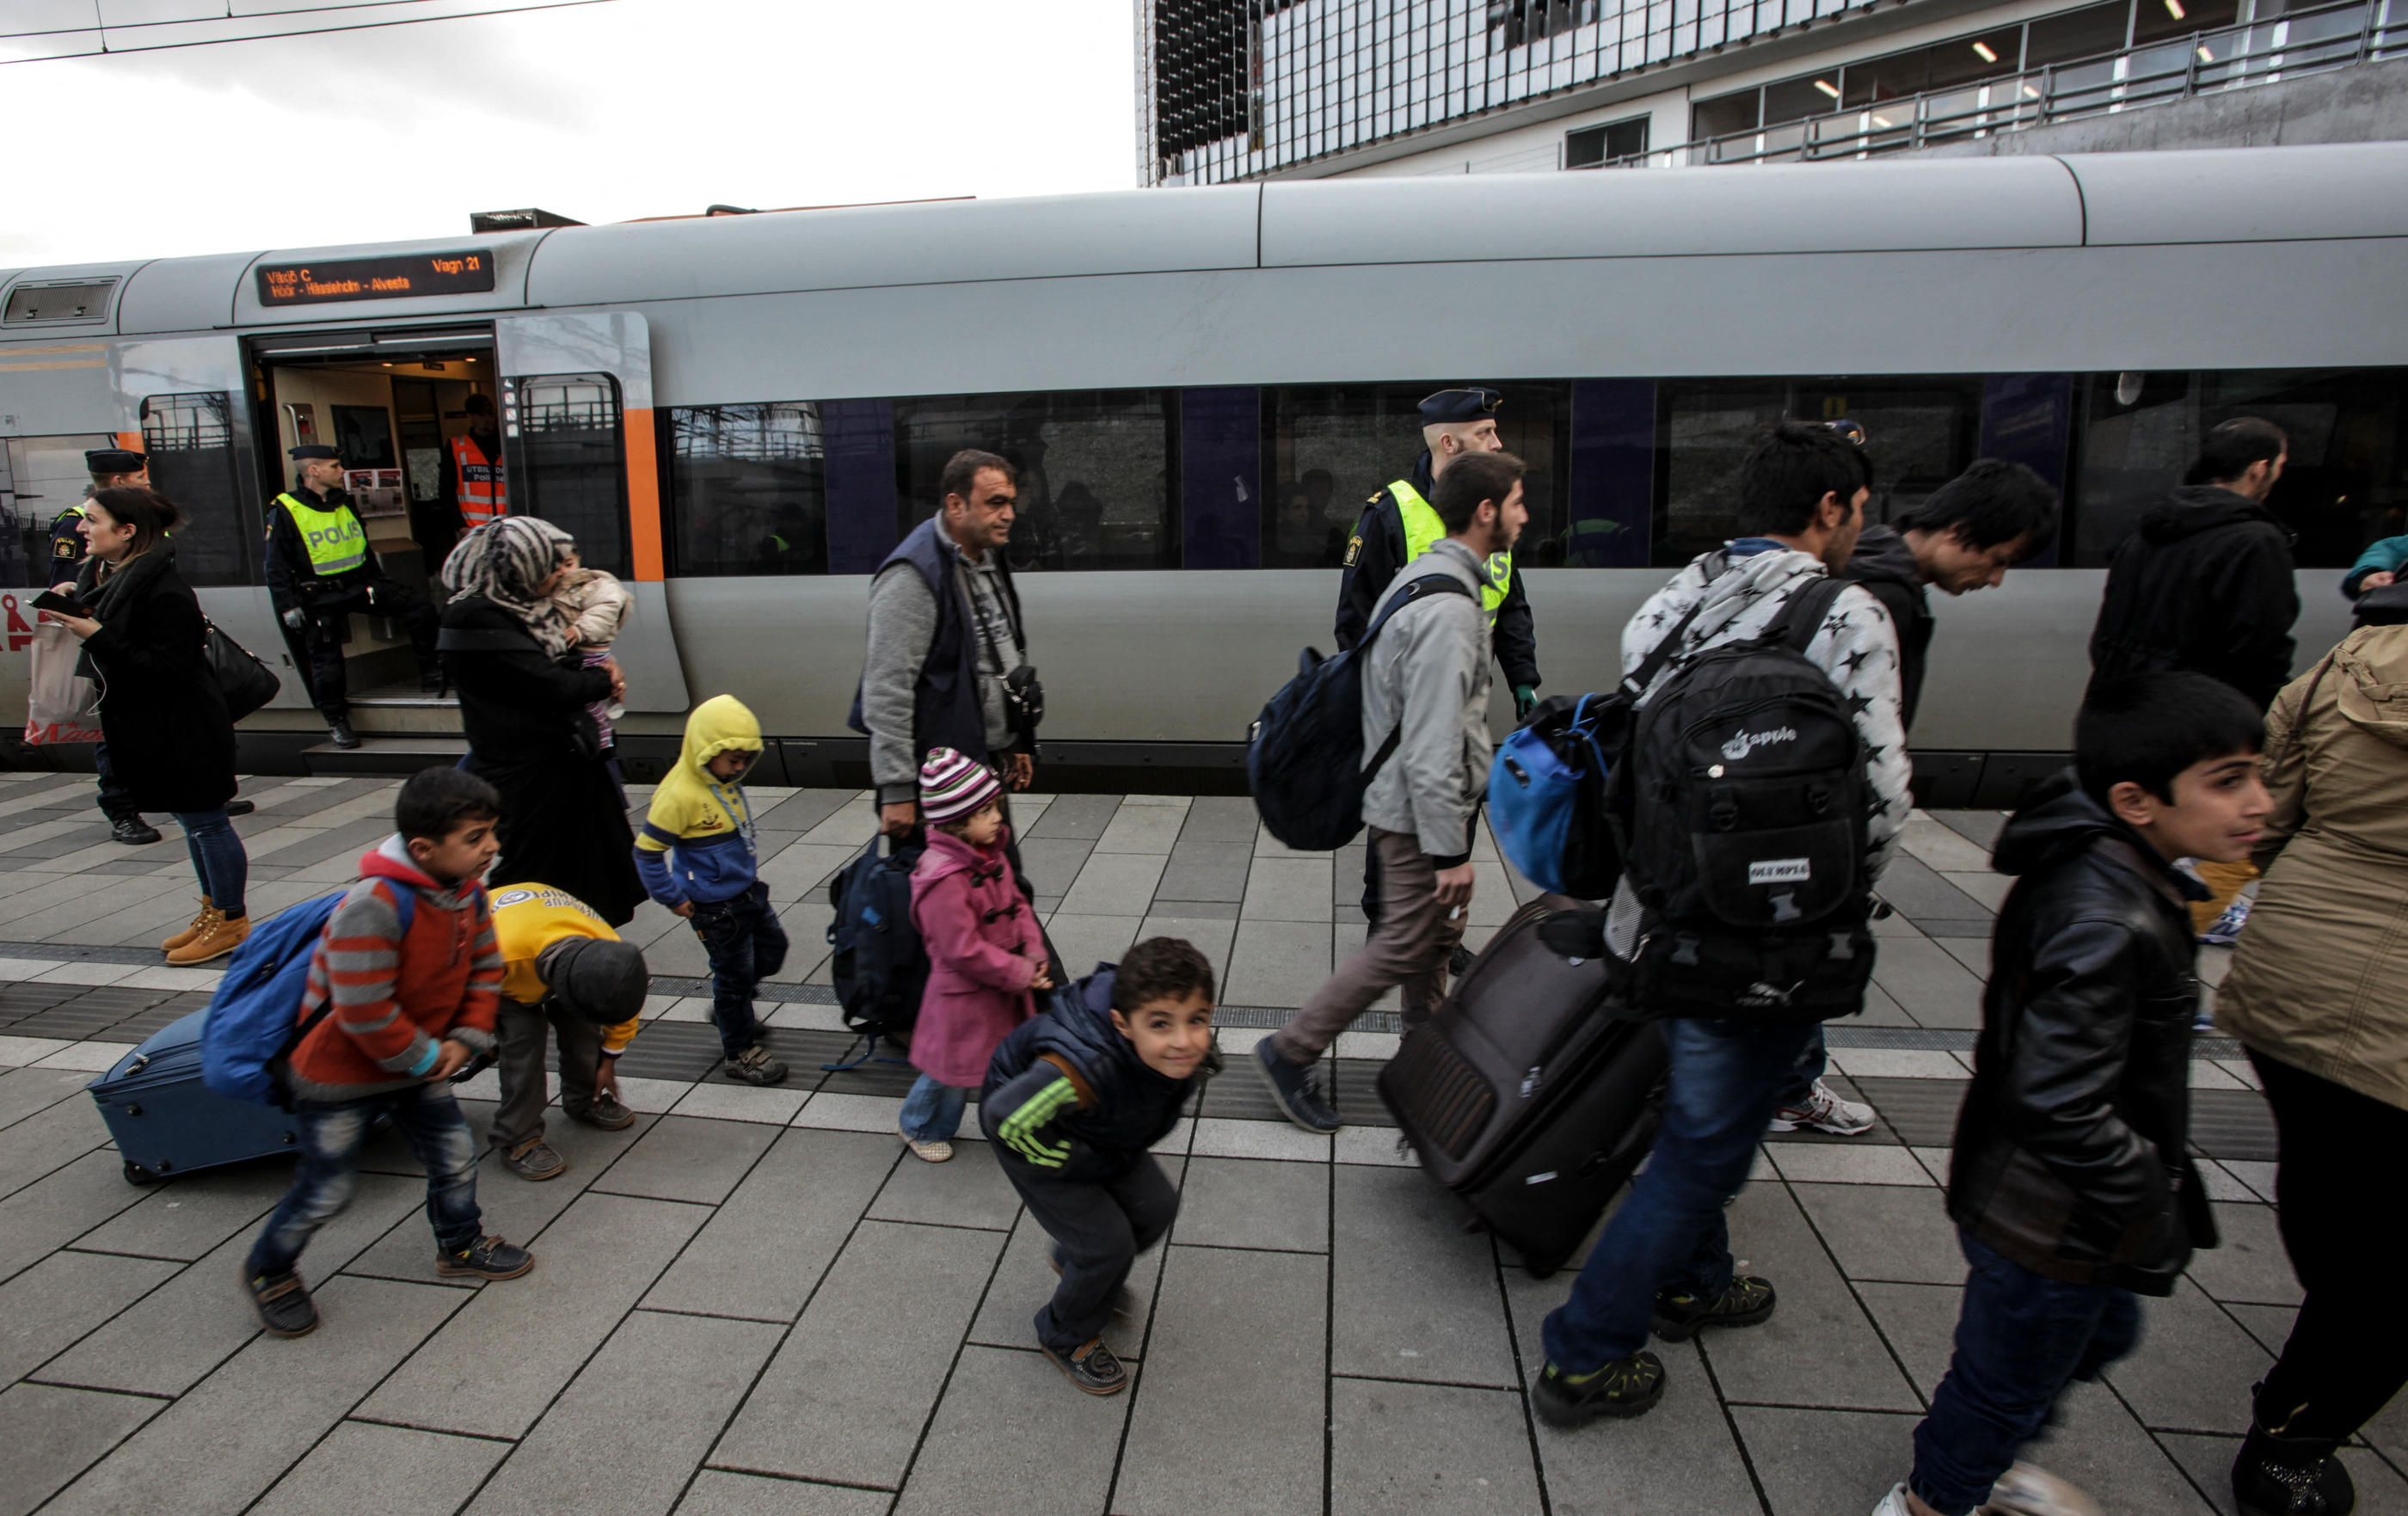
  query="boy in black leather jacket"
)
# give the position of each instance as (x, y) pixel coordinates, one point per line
(2071, 1186)
(1072, 1102)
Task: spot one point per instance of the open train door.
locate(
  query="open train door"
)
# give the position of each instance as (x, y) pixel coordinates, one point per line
(577, 431)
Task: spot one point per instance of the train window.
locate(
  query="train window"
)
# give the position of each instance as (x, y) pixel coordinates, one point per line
(748, 489)
(2346, 483)
(1095, 471)
(1705, 430)
(1920, 432)
(567, 461)
(189, 438)
(2139, 433)
(40, 476)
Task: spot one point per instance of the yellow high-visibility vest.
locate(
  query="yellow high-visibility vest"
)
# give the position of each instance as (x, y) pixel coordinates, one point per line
(336, 541)
(1423, 528)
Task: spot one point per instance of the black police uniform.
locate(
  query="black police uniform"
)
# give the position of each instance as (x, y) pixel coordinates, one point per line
(324, 600)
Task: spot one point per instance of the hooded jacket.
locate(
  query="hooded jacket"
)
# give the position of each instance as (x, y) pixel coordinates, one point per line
(1426, 680)
(2317, 980)
(698, 839)
(984, 946)
(2204, 585)
(1884, 565)
(2383, 556)
(2071, 1154)
(1067, 1093)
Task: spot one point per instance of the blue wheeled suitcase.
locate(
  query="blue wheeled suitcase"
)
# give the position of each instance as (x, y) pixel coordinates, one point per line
(166, 1122)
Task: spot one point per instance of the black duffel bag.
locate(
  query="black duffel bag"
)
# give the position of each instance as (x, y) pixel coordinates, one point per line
(245, 681)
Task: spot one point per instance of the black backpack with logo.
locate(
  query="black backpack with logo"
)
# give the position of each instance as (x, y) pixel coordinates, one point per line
(1743, 808)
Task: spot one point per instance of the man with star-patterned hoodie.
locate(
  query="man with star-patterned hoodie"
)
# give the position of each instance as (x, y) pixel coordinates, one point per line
(1664, 1261)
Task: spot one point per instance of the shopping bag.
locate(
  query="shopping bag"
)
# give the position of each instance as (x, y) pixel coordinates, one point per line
(65, 706)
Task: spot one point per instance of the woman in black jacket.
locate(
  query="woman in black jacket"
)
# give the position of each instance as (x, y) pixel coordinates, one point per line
(523, 699)
(170, 740)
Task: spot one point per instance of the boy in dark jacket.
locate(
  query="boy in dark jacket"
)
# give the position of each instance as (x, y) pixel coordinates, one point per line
(2071, 1186)
(1072, 1102)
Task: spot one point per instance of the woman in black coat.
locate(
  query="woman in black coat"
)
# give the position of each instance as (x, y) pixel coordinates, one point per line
(523, 699)
(170, 740)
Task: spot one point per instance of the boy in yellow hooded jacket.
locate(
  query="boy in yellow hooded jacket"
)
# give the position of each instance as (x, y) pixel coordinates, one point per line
(695, 855)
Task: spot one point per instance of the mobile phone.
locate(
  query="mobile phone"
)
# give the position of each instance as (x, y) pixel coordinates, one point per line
(51, 600)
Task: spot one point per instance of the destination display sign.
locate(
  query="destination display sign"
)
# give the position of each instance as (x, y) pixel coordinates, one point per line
(470, 272)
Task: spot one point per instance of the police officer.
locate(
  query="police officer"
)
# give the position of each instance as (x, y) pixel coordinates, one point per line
(1398, 525)
(319, 570)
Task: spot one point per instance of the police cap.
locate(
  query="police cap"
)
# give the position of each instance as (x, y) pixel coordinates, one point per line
(1470, 403)
(115, 461)
(307, 451)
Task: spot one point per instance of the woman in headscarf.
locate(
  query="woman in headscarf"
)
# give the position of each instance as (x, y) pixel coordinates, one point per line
(523, 699)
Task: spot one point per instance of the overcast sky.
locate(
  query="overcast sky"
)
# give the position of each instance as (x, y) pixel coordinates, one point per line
(635, 107)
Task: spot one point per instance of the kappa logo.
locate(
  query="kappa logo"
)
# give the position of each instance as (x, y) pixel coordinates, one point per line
(1744, 743)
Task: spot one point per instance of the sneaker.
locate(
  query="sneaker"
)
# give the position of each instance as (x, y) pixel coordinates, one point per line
(1894, 1503)
(535, 1159)
(488, 1258)
(219, 935)
(1681, 1315)
(1092, 1368)
(190, 932)
(2026, 1490)
(2227, 927)
(239, 808)
(1825, 1112)
(1625, 1387)
(1292, 1087)
(2275, 1476)
(132, 830)
(341, 735)
(1124, 1299)
(282, 1302)
(754, 1066)
(607, 1113)
(936, 1151)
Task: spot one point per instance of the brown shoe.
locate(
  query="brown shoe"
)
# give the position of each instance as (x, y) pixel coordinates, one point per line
(190, 932)
(220, 935)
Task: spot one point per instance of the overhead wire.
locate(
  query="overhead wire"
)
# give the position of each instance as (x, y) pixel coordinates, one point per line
(104, 28)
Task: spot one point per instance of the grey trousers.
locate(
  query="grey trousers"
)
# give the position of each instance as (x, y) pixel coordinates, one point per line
(1407, 946)
(520, 1034)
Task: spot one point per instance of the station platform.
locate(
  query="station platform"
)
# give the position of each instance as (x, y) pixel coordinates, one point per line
(753, 1301)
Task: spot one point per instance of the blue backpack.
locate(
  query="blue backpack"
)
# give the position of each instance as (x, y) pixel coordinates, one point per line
(251, 1024)
(1304, 753)
(880, 965)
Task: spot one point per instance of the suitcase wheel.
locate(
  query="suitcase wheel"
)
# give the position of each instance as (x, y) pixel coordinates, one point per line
(137, 1174)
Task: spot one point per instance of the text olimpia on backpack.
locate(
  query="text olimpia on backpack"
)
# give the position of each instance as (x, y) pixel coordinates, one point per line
(1743, 808)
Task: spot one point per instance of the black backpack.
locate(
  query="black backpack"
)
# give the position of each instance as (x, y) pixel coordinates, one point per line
(1304, 753)
(1743, 809)
(880, 966)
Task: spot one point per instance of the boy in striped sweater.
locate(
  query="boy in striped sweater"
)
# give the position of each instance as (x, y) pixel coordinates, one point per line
(407, 1010)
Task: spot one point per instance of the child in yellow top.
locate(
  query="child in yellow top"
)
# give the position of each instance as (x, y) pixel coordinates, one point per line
(565, 970)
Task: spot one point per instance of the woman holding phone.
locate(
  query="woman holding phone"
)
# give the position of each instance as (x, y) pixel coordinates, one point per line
(170, 740)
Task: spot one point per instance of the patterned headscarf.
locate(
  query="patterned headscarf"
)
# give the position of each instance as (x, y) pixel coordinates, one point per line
(505, 560)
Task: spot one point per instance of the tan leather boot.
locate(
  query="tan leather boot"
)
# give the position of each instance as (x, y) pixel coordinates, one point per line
(190, 932)
(219, 936)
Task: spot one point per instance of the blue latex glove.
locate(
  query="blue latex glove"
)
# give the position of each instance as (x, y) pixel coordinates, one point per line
(1526, 699)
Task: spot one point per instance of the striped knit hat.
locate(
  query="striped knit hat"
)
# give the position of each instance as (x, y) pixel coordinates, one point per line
(952, 786)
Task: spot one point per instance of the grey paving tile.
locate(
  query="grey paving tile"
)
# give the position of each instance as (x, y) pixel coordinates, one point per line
(492, 1367)
(1080, 817)
(991, 1450)
(1885, 1232)
(1084, 941)
(1114, 883)
(221, 1446)
(1220, 818)
(53, 1434)
(688, 1158)
(1288, 890)
(2270, 1324)
(186, 1218)
(1214, 871)
(48, 1140)
(1681, 1457)
(1879, 1010)
(1814, 1463)
(1259, 1387)
(1920, 1323)
(1277, 962)
(51, 1210)
(796, 1206)
(2250, 1264)
(1407, 1448)
(1927, 983)
(677, 1378)
(1048, 864)
(49, 1306)
(1023, 1281)
(1917, 891)
(25, 1091)
(969, 1191)
(1818, 1347)
(2099, 1447)
(2194, 1368)
(717, 1493)
(2208, 1460)
(847, 1395)
(1421, 1299)
(1248, 1203)
(375, 1470)
(172, 1338)
(1142, 829)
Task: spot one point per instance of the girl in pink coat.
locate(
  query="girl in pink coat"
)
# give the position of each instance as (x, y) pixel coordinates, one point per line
(985, 951)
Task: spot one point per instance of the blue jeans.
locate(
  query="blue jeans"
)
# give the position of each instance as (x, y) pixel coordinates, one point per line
(1811, 1061)
(1670, 1234)
(324, 1184)
(2021, 1337)
(932, 1112)
(218, 859)
(746, 946)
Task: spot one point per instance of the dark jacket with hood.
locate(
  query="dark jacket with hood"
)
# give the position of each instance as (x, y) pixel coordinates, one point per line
(2205, 586)
(2071, 1147)
(1886, 565)
(171, 743)
(1067, 1095)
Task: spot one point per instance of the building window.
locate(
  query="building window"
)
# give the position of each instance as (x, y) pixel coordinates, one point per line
(748, 489)
(1594, 147)
(1095, 471)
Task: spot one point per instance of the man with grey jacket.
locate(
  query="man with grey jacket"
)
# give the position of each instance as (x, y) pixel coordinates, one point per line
(1426, 680)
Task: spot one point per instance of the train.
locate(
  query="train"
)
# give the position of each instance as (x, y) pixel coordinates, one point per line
(742, 413)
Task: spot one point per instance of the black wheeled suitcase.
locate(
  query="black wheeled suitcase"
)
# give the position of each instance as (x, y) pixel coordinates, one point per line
(166, 1122)
(1525, 1096)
